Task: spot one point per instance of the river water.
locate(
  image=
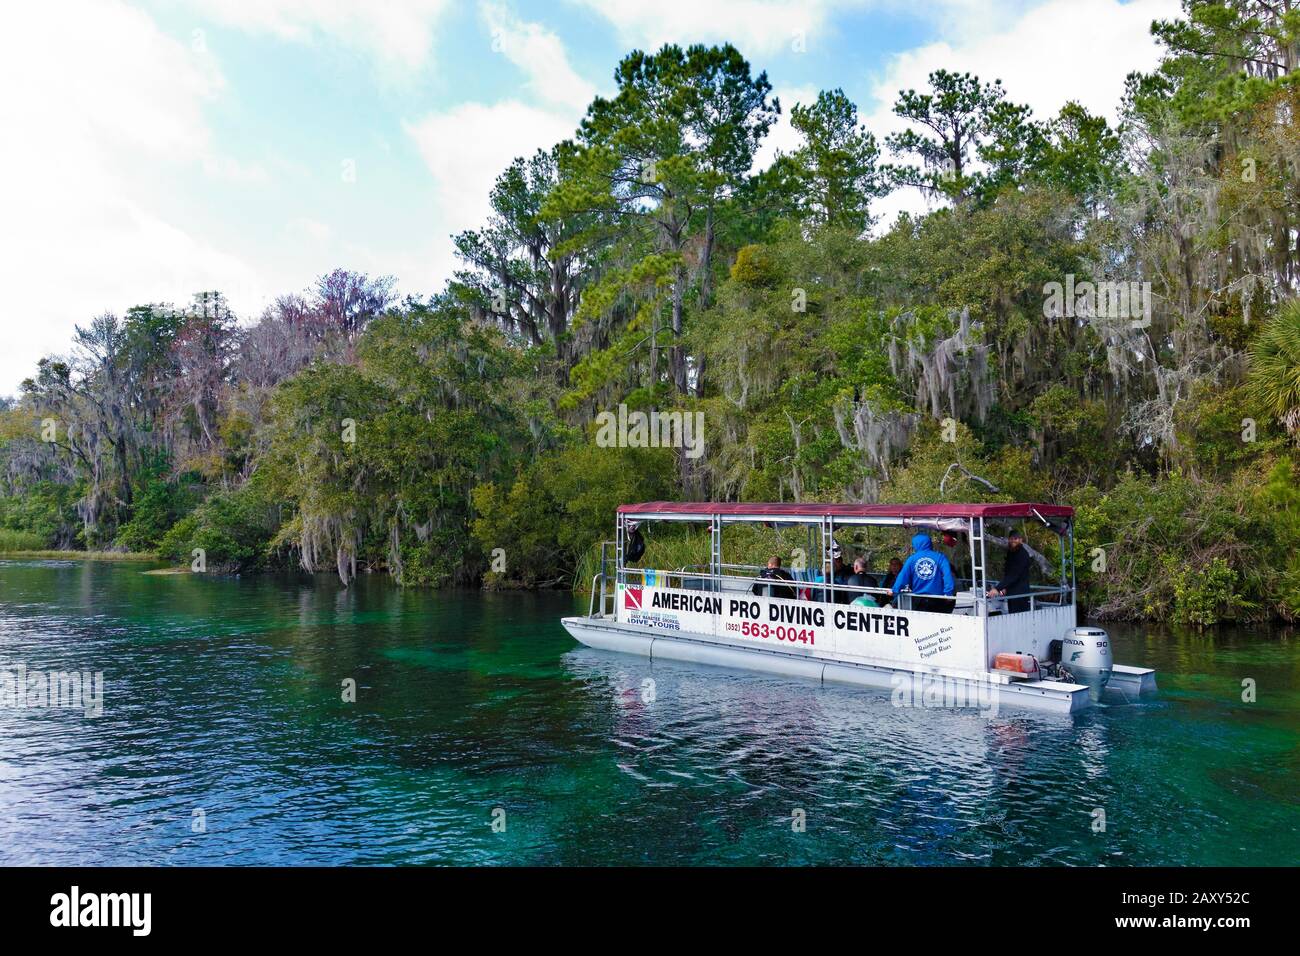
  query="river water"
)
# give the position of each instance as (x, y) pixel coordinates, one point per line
(482, 733)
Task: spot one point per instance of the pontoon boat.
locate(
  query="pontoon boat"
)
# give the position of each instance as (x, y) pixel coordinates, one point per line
(1026, 650)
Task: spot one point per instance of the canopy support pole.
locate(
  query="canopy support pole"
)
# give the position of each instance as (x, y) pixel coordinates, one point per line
(715, 550)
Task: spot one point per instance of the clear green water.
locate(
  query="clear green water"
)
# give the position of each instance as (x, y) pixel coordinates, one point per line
(224, 695)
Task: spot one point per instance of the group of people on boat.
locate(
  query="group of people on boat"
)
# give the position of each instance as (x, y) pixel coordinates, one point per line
(926, 574)
(859, 577)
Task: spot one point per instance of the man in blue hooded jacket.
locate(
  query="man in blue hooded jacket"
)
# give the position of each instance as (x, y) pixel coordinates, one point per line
(926, 572)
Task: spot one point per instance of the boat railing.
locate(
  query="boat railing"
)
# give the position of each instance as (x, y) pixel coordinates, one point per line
(600, 586)
(691, 578)
(684, 578)
(754, 570)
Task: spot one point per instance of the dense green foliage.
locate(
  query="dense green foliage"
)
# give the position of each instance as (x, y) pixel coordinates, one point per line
(645, 264)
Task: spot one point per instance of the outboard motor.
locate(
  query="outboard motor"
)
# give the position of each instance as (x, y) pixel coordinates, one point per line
(1085, 652)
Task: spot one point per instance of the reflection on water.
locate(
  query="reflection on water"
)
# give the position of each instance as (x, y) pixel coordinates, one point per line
(225, 696)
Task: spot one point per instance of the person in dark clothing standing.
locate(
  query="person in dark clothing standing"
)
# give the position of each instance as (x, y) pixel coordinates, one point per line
(774, 572)
(840, 574)
(1015, 575)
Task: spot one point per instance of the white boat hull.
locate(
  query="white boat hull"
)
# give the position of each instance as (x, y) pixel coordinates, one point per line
(1054, 696)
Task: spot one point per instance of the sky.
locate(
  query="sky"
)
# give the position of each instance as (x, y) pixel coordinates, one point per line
(152, 150)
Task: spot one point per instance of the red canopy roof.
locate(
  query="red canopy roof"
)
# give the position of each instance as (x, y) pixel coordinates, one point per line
(818, 508)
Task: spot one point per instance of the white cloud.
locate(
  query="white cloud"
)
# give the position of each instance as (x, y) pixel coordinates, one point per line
(95, 115)
(539, 53)
(1055, 52)
(765, 27)
(754, 26)
(113, 78)
(1059, 51)
(396, 32)
(468, 146)
(232, 170)
(306, 229)
(782, 137)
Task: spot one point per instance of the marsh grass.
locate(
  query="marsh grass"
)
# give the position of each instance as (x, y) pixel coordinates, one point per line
(20, 540)
(9, 548)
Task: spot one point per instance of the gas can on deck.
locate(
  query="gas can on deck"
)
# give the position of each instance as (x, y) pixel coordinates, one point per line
(1024, 666)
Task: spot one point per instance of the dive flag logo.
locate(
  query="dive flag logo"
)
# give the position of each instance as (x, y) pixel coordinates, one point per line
(632, 598)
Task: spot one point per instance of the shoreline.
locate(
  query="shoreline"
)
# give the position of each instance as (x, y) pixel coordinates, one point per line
(48, 554)
(145, 557)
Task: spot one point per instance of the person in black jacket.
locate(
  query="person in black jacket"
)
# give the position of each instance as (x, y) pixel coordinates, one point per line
(1015, 575)
(895, 565)
(774, 572)
(859, 578)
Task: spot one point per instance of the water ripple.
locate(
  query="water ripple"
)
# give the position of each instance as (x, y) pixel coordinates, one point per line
(482, 734)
